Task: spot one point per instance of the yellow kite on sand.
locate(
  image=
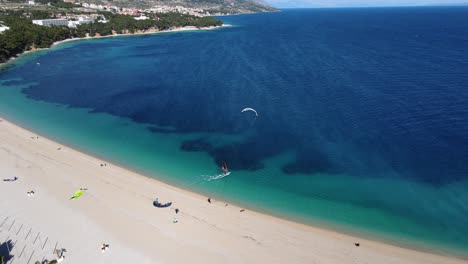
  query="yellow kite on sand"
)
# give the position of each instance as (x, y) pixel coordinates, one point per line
(77, 194)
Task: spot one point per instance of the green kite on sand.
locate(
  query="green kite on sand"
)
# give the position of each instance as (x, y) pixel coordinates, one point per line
(77, 195)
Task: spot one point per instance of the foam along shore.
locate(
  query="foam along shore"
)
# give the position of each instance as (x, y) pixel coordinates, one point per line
(113, 220)
(146, 32)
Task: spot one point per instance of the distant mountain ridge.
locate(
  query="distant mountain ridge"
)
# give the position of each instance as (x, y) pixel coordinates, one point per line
(213, 6)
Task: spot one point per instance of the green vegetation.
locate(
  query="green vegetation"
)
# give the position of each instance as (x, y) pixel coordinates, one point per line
(126, 24)
(63, 5)
(23, 35)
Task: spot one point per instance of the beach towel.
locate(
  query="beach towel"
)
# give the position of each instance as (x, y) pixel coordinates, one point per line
(77, 195)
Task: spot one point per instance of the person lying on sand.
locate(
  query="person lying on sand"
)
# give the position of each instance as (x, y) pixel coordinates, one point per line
(9, 180)
(31, 193)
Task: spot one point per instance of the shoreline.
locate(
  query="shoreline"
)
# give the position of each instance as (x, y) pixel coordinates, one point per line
(215, 219)
(147, 32)
(357, 232)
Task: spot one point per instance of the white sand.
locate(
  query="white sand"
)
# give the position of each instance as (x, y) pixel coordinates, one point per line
(117, 209)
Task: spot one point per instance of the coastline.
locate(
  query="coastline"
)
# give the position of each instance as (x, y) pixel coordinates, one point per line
(147, 32)
(205, 232)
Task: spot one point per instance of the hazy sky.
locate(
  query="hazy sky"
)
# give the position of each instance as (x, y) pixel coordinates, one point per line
(354, 3)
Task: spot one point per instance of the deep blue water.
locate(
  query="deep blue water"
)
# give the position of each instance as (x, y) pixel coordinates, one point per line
(356, 98)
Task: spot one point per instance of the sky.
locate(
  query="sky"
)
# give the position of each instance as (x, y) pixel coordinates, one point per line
(359, 3)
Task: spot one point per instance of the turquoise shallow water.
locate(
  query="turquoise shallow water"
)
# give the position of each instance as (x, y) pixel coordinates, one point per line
(333, 144)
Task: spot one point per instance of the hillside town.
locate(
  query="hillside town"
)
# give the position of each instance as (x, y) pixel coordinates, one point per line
(155, 9)
(90, 7)
(81, 13)
(39, 24)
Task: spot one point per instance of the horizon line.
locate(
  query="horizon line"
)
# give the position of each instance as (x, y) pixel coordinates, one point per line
(386, 6)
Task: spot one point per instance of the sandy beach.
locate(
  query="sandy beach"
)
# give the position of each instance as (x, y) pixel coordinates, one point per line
(116, 209)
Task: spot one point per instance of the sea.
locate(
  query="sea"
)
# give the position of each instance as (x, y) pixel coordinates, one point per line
(361, 122)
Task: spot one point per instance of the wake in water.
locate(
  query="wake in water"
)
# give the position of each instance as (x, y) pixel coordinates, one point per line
(225, 173)
(215, 177)
(208, 178)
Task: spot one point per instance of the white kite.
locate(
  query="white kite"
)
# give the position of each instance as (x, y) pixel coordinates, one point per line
(249, 109)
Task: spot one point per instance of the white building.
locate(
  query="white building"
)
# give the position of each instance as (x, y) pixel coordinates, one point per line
(141, 17)
(3, 28)
(51, 22)
(80, 21)
(31, 2)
